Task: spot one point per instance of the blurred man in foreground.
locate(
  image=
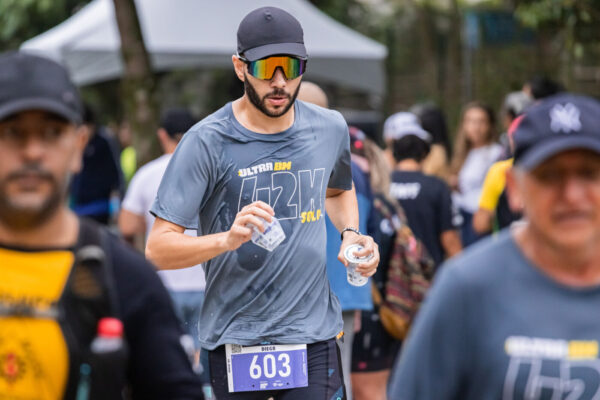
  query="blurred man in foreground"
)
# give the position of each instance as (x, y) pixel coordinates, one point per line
(511, 318)
(81, 315)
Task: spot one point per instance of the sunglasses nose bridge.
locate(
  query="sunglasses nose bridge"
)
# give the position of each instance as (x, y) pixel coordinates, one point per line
(280, 69)
(278, 75)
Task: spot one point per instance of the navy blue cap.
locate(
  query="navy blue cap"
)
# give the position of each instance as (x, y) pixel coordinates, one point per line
(29, 82)
(559, 123)
(268, 31)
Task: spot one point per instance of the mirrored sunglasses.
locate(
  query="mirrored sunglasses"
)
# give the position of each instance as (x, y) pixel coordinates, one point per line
(264, 68)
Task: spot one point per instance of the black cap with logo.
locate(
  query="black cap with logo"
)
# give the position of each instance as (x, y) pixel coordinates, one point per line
(29, 82)
(268, 31)
(559, 123)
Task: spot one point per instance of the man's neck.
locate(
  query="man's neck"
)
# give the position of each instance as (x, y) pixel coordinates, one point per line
(408, 165)
(571, 267)
(253, 119)
(59, 231)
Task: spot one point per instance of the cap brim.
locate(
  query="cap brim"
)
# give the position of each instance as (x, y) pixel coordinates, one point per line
(44, 104)
(292, 49)
(549, 148)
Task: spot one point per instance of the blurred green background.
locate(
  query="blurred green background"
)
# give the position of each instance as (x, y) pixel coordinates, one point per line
(445, 51)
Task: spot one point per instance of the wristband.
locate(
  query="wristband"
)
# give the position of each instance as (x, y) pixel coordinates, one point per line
(349, 229)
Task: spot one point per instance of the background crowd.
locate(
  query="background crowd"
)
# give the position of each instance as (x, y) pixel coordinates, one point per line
(429, 177)
(420, 179)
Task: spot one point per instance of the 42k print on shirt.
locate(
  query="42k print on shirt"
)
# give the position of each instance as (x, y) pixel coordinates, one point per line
(292, 195)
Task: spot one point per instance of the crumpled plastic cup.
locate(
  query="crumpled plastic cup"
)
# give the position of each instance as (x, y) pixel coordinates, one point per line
(271, 237)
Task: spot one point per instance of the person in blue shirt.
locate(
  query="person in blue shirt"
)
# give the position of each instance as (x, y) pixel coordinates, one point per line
(352, 299)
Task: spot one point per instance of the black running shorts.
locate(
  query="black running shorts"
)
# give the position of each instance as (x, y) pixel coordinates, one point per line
(325, 378)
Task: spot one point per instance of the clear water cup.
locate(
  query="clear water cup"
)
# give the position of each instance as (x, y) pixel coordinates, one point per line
(271, 237)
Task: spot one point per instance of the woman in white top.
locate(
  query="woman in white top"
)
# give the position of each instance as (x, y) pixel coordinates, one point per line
(475, 150)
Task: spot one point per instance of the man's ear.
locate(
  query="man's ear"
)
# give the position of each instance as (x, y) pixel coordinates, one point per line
(82, 137)
(513, 190)
(239, 66)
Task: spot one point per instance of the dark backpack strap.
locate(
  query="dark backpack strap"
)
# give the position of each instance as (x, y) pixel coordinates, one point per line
(89, 295)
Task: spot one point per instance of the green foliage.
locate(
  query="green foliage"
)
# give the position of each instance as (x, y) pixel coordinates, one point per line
(559, 13)
(577, 20)
(23, 19)
(355, 14)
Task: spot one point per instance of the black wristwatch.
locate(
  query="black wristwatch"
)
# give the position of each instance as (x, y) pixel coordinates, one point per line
(349, 229)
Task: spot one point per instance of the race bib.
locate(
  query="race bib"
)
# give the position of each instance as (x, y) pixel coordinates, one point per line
(266, 367)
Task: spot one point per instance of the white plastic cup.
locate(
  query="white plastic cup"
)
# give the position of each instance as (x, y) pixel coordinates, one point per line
(354, 277)
(271, 237)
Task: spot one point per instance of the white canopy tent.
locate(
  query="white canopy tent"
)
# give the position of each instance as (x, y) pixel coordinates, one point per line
(202, 34)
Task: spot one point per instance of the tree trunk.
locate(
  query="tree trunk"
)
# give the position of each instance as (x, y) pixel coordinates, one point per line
(138, 82)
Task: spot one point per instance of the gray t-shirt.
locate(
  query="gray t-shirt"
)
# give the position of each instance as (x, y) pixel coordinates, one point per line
(496, 327)
(252, 295)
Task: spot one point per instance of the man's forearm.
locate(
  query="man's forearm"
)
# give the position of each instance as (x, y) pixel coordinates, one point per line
(174, 250)
(342, 208)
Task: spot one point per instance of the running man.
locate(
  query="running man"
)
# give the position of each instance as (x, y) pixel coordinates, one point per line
(261, 157)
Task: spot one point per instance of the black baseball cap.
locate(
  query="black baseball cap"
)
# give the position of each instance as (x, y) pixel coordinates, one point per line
(177, 121)
(29, 82)
(268, 31)
(559, 123)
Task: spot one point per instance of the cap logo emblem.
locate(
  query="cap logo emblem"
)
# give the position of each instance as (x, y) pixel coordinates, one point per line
(565, 118)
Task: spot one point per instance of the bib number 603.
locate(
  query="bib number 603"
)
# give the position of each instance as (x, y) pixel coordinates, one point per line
(270, 366)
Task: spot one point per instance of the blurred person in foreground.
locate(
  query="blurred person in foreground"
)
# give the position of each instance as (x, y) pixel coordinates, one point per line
(186, 285)
(512, 317)
(261, 158)
(353, 299)
(65, 280)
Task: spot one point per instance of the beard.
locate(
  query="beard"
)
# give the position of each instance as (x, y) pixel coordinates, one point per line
(22, 217)
(261, 103)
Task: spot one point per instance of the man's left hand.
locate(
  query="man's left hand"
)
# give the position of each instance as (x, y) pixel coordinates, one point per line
(367, 268)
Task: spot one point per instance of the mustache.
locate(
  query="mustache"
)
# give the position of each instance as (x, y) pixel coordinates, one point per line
(31, 170)
(279, 92)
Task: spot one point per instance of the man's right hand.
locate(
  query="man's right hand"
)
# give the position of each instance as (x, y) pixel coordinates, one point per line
(241, 230)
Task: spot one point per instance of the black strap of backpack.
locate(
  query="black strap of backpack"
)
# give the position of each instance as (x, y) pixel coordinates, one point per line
(89, 295)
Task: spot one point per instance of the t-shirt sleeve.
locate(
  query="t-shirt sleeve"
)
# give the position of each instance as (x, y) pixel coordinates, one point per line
(448, 213)
(492, 188)
(187, 181)
(435, 356)
(159, 368)
(341, 174)
(134, 201)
